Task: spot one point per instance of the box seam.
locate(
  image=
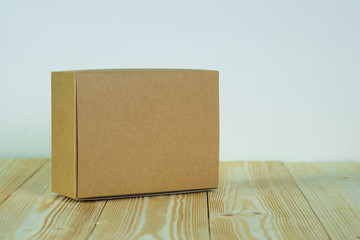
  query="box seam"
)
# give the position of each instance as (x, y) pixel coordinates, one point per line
(76, 138)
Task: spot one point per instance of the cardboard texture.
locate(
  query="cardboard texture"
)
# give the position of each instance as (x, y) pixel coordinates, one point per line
(125, 132)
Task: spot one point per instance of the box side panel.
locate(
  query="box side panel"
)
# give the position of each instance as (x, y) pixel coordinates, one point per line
(63, 136)
(214, 81)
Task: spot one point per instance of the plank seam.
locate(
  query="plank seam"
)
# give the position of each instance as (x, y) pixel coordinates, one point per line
(27, 179)
(208, 213)
(302, 193)
(97, 219)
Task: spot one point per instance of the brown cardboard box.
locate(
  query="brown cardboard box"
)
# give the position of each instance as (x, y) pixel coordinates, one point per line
(134, 131)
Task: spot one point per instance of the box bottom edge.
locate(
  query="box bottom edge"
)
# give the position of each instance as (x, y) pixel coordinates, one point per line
(143, 194)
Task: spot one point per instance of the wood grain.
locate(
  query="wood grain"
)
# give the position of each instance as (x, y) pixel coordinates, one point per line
(33, 212)
(14, 172)
(183, 216)
(260, 200)
(255, 200)
(333, 190)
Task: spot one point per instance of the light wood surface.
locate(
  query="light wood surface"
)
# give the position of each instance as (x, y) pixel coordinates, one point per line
(254, 200)
(333, 190)
(14, 172)
(259, 200)
(159, 217)
(33, 211)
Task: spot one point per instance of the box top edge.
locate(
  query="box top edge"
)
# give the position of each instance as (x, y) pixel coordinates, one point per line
(135, 70)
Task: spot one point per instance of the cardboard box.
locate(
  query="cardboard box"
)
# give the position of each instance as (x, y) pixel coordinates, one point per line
(125, 132)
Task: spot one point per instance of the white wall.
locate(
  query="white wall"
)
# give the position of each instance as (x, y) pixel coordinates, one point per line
(290, 70)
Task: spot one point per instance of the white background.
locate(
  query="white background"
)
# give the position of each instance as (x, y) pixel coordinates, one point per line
(289, 70)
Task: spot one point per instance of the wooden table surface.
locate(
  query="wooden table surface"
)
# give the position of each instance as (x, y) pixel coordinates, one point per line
(255, 200)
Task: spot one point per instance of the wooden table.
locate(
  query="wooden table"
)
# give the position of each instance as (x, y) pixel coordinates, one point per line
(255, 200)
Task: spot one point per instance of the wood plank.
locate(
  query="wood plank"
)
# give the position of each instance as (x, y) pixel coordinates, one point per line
(14, 172)
(182, 216)
(34, 212)
(333, 191)
(260, 200)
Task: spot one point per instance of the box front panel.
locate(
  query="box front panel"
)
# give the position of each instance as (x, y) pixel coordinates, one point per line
(146, 132)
